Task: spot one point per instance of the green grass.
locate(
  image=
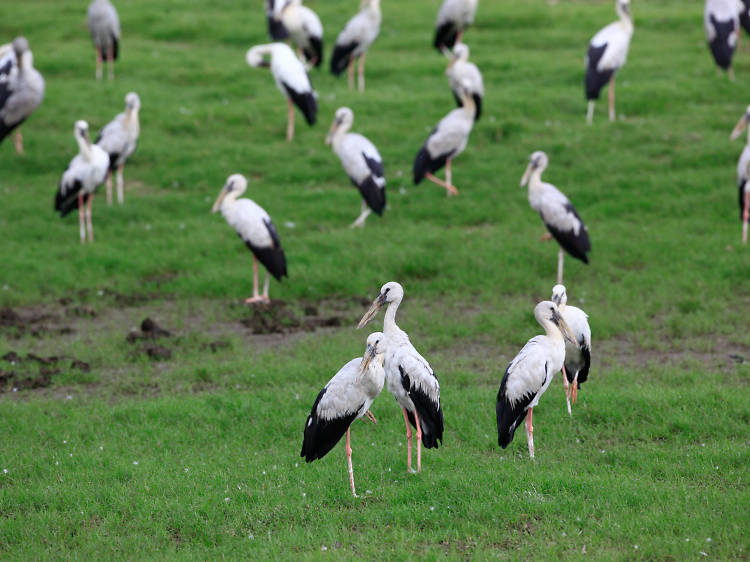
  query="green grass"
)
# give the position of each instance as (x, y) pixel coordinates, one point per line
(656, 453)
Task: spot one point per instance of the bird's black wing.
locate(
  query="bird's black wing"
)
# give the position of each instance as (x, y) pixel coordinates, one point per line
(577, 245)
(429, 410)
(272, 257)
(511, 414)
(306, 101)
(321, 435)
(596, 79)
(720, 47)
(341, 55)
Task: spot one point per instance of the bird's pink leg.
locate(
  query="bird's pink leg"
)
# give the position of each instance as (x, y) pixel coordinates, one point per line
(612, 98)
(419, 442)
(408, 442)
(98, 63)
(567, 389)
(574, 389)
(530, 432)
(89, 224)
(371, 417)
(350, 73)
(449, 188)
(289, 120)
(448, 175)
(120, 185)
(361, 73)
(546, 236)
(560, 257)
(745, 216)
(108, 185)
(111, 62)
(349, 462)
(18, 141)
(81, 220)
(256, 297)
(459, 35)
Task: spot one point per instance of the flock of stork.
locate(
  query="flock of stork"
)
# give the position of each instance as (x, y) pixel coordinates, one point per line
(390, 359)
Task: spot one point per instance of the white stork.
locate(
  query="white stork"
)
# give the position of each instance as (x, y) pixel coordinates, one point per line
(721, 19)
(291, 79)
(446, 141)
(354, 41)
(119, 139)
(408, 376)
(558, 214)
(453, 17)
(276, 29)
(84, 174)
(608, 51)
(530, 373)
(577, 357)
(361, 162)
(257, 231)
(21, 88)
(305, 30)
(461, 71)
(104, 25)
(346, 398)
(743, 172)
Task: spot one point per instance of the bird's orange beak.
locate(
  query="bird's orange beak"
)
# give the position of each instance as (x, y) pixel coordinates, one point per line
(739, 127)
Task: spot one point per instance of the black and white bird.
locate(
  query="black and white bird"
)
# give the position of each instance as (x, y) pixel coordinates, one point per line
(354, 41)
(291, 78)
(408, 376)
(530, 373)
(744, 18)
(721, 20)
(104, 26)
(21, 88)
(557, 212)
(304, 29)
(346, 398)
(461, 71)
(446, 141)
(743, 172)
(453, 18)
(577, 357)
(119, 138)
(257, 231)
(608, 51)
(276, 29)
(361, 162)
(84, 174)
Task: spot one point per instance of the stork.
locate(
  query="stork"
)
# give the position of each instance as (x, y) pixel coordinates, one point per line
(721, 20)
(530, 373)
(257, 231)
(577, 357)
(459, 71)
(354, 41)
(453, 18)
(608, 51)
(305, 30)
(84, 174)
(558, 214)
(276, 29)
(21, 89)
(408, 376)
(361, 162)
(346, 398)
(743, 172)
(446, 141)
(104, 26)
(291, 79)
(119, 139)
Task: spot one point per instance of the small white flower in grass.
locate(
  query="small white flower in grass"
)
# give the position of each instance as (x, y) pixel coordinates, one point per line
(432, 508)
(578, 440)
(101, 447)
(703, 553)
(635, 547)
(251, 536)
(100, 293)
(5, 471)
(226, 500)
(372, 443)
(564, 534)
(15, 389)
(389, 469)
(687, 540)
(368, 491)
(703, 444)
(708, 539)
(304, 494)
(289, 224)
(57, 463)
(274, 467)
(603, 451)
(70, 454)
(187, 469)
(135, 463)
(324, 548)
(296, 465)
(716, 467)
(402, 190)
(65, 441)
(69, 397)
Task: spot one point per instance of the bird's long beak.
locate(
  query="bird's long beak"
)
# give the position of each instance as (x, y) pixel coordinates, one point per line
(740, 126)
(332, 131)
(564, 328)
(370, 314)
(527, 174)
(369, 355)
(220, 198)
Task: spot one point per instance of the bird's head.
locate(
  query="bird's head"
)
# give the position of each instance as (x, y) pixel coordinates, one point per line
(741, 125)
(132, 101)
(255, 56)
(374, 350)
(81, 131)
(389, 292)
(559, 297)
(622, 7)
(236, 185)
(547, 312)
(342, 121)
(537, 161)
(461, 52)
(20, 46)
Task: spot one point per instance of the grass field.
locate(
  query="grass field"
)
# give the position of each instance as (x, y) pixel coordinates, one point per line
(187, 445)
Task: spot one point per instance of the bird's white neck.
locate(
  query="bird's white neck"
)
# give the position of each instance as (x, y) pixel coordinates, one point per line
(84, 147)
(535, 179)
(389, 322)
(131, 118)
(468, 104)
(553, 332)
(339, 135)
(625, 21)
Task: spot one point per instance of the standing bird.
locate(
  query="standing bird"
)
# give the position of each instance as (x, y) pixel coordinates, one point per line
(305, 30)
(721, 20)
(291, 79)
(353, 42)
(346, 398)
(408, 376)
(84, 174)
(530, 373)
(743, 172)
(453, 17)
(276, 29)
(361, 162)
(104, 26)
(119, 139)
(557, 212)
(446, 141)
(21, 88)
(608, 51)
(577, 357)
(459, 71)
(254, 226)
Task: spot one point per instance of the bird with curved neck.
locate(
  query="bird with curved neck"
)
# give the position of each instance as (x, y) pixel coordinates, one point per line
(530, 373)
(304, 29)
(743, 171)
(408, 376)
(459, 71)
(119, 139)
(355, 40)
